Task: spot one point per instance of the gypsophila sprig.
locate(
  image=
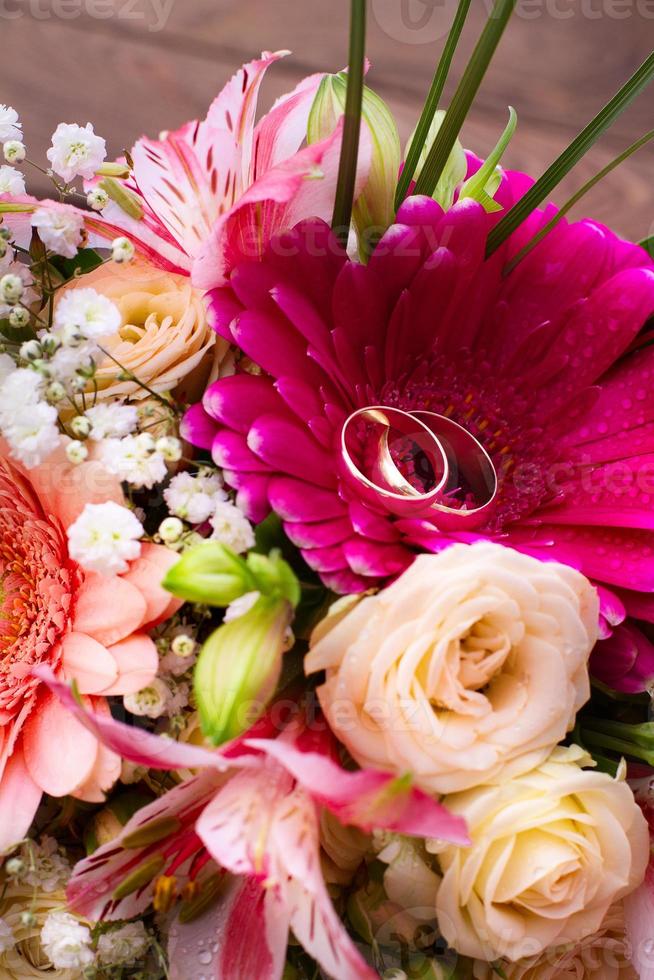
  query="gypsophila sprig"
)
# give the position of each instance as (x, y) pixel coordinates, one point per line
(105, 538)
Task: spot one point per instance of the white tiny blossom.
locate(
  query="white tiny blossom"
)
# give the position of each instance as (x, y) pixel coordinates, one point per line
(81, 426)
(97, 199)
(76, 151)
(59, 230)
(11, 287)
(55, 392)
(17, 271)
(31, 350)
(111, 420)
(170, 448)
(239, 607)
(151, 702)
(171, 530)
(231, 527)
(193, 498)
(124, 946)
(10, 126)
(76, 452)
(19, 317)
(20, 388)
(47, 868)
(11, 181)
(69, 360)
(105, 538)
(14, 151)
(122, 250)
(66, 942)
(7, 940)
(92, 314)
(31, 431)
(133, 460)
(183, 646)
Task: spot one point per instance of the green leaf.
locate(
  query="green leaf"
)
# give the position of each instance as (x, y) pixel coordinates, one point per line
(485, 183)
(648, 245)
(464, 96)
(421, 135)
(86, 260)
(16, 334)
(571, 156)
(570, 203)
(352, 128)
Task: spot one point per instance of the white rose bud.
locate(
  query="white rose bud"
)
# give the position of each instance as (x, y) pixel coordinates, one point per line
(122, 250)
(504, 642)
(14, 151)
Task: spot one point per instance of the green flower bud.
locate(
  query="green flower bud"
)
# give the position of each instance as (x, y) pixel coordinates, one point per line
(210, 573)
(239, 667)
(274, 576)
(455, 168)
(483, 185)
(374, 209)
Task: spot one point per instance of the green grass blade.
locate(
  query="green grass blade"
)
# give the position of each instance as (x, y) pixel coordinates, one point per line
(433, 101)
(569, 204)
(571, 156)
(464, 96)
(347, 169)
(648, 245)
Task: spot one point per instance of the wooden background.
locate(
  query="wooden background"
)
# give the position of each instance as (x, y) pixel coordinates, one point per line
(139, 66)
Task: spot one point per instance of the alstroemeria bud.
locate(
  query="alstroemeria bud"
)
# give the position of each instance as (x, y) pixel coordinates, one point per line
(239, 667)
(374, 209)
(455, 168)
(210, 573)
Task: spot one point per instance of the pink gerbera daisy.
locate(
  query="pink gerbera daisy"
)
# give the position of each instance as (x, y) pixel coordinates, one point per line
(539, 367)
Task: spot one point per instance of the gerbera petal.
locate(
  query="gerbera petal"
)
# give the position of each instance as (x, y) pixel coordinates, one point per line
(88, 663)
(146, 574)
(236, 401)
(60, 753)
(287, 447)
(20, 796)
(136, 661)
(108, 609)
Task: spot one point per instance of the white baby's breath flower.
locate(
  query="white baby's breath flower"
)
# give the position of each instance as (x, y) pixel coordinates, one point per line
(151, 702)
(46, 867)
(20, 388)
(11, 181)
(171, 530)
(123, 946)
(97, 199)
(66, 942)
(93, 315)
(10, 125)
(7, 366)
(59, 230)
(17, 271)
(11, 287)
(14, 151)
(31, 431)
(76, 151)
(183, 646)
(231, 527)
(134, 460)
(122, 250)
(193, 498)
(111, 420)
(76, 452)
(170, 448)
(7, 940)
(105, 538)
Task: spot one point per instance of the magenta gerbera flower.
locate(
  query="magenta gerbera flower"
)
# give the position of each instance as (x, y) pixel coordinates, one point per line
(545, 369)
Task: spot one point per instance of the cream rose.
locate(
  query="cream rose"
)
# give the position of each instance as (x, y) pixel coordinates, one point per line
(552, 850)
(602, 956)
(164, 339)
(27, 960)
(474, 659)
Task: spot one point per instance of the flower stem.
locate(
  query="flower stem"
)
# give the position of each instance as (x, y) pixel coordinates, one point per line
(352, 128)
(569, 204)
(464, 97)
(432, 103)
(571, 156)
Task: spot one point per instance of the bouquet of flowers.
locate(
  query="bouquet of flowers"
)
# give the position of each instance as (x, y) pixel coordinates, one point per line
(327, 555)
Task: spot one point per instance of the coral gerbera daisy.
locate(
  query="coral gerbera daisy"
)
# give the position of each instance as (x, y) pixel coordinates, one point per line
(534, 366)
(86, 627)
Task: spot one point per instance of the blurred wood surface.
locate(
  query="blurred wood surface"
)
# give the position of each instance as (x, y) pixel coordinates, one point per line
(139, 66)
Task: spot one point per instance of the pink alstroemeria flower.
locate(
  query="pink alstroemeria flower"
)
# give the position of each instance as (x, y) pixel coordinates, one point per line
(215, 191)
(253, 809)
